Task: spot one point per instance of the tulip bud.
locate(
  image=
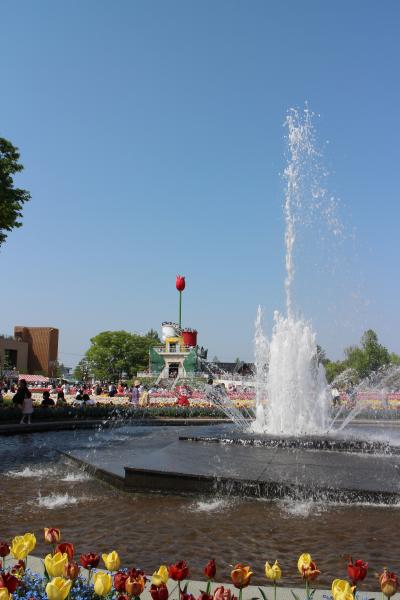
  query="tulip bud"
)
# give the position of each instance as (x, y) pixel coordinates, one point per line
(4, 549)
(222, 593)
(102, 583)
(210, 569)
(180, 283)
(52, 535)
(71, 570)
(159, 592)
(389, 583)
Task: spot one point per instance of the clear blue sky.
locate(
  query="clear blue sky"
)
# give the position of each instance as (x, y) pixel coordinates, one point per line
(151, 134)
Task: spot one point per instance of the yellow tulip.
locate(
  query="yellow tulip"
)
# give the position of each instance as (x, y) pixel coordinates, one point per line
(112, 561)
(102, 583)
(58, 588)
(160, 576)
(22, 545)
(273, 573)
(307, 568)
(4, 594)
(55, 565)
(342, 590)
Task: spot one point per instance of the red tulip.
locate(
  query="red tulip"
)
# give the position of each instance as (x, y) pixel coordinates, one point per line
(357, 571)
(4, 549)
(159, 592)
(210, 569)
(119, 581)
(89, 561)
(178, 571)
(19, 568)
(66, 548)
(180, 283)
(52, 535)
(123, 597)
(71, 570)
(205, 596)
(10, 582)
(185, 596)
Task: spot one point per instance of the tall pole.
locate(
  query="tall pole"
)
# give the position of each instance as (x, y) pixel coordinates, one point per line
(180, 310)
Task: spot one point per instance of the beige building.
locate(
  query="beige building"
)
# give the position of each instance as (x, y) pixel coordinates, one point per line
(13, 355)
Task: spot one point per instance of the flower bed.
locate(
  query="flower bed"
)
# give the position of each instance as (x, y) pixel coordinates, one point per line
(80, 578)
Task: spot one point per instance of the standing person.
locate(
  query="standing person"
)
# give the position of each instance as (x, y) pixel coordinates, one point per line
(335, 396)
(22, 390)
(144, 396)
(136, 393)
(27, 408)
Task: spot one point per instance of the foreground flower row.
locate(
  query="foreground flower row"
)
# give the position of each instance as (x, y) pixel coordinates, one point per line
(64, 578)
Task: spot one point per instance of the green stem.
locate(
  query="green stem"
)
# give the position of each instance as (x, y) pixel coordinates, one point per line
(274, 589)
(240, 593)
(208, 587)
(179, 585)
(307, 590)
(180, 309)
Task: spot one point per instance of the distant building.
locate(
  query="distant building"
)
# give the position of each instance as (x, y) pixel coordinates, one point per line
(13, 355)
(42, 348)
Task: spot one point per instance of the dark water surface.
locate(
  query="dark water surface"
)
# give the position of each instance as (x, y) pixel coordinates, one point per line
(38, 489)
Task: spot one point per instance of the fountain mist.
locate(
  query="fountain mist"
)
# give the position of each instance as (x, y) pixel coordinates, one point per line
(291, 391)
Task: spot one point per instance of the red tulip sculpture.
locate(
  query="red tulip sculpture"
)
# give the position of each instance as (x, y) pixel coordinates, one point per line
(180, 286)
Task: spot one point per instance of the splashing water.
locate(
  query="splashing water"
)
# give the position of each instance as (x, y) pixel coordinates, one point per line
(292, 397)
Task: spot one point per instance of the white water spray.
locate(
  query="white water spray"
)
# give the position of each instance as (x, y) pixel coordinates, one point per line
(292, 396)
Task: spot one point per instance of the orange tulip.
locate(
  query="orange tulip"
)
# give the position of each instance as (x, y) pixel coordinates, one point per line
(241, 575)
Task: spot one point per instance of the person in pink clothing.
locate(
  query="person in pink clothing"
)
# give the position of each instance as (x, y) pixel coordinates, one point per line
(27, 407)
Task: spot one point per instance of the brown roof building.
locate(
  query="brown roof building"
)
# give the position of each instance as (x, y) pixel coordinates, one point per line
(42, 348)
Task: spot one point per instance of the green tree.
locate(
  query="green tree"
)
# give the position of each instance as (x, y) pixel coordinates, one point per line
(394, 358)
(115, 352)
(369, 357)
(333, 369)
(11, 198)
(82, 370)
(153, 334)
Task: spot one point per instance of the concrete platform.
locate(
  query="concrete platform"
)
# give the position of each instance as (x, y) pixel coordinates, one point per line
(156, 460)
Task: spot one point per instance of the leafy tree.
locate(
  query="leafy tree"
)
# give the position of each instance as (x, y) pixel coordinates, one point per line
(369, 357)
(333, 369)
(394, 358)
(11, 198)
(82, 370)
(115, 352)
(153, 334)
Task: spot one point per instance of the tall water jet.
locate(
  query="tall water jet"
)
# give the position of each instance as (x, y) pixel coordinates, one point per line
(292, 396)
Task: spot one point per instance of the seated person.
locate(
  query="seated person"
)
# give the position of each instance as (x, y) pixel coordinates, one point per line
(61, 401)
(47, 400)
(86, 399)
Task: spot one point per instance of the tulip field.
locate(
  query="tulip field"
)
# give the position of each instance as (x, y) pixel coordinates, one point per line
(94, 575)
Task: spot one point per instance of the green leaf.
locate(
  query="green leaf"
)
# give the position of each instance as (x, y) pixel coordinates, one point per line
(295, 596)
(263, 594)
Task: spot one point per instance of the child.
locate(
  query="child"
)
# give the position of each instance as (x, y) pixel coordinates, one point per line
(27, 407)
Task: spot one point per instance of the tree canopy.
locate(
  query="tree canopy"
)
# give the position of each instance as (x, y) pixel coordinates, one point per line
(364, 359)
(11, 198)
(117, 354)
